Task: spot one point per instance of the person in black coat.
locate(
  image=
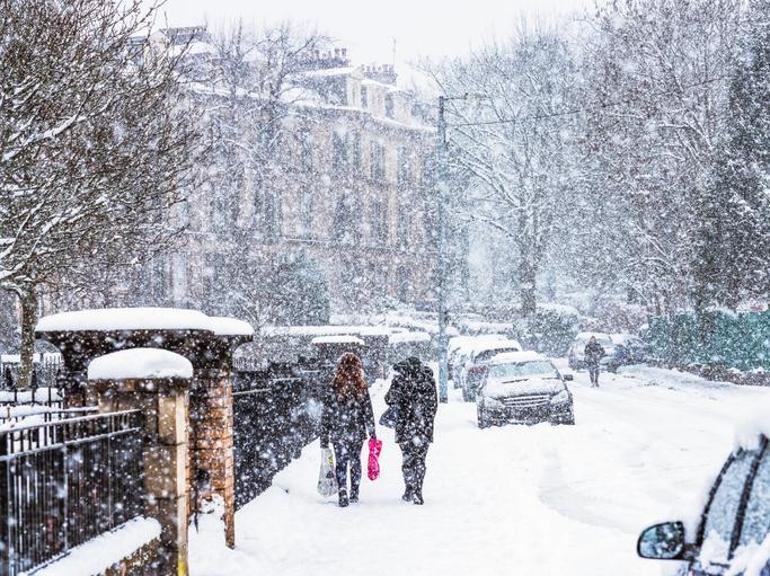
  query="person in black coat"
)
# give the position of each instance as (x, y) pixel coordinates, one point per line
(346, 421)
(593, 354)
(413, 396)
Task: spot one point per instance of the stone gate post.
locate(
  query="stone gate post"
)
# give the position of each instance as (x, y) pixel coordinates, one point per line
(157, 383)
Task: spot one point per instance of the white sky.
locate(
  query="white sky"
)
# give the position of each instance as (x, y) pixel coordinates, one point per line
(367, 28)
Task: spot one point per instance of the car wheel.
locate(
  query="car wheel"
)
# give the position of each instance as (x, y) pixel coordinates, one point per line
(482, 418)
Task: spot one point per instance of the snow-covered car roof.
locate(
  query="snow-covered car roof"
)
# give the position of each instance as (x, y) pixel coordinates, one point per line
(622, 338)
(517, 357)
(587, 336)
(493, 345)
(468, 343)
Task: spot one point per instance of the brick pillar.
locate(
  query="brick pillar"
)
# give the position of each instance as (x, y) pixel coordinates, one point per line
(211, 440)
(164, 403)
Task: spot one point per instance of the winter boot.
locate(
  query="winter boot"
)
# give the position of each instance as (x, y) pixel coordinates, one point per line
(417, 498)
(354, 493)
(343, 494)
(408, 494)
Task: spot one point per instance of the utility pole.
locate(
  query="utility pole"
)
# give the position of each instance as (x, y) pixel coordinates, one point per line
(442, 197)
(442, 188)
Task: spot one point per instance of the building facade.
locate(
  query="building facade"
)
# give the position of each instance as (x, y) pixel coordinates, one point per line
(349, 193)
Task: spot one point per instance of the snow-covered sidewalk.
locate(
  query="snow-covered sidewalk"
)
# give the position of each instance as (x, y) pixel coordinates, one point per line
(535, 500)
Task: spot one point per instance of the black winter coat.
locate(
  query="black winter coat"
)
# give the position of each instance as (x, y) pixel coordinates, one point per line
(346, 421)
(413, 395)
(593, 353)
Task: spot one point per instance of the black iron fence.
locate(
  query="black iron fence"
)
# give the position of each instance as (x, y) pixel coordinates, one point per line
(276, 412)
(45, 373)
(64, 482)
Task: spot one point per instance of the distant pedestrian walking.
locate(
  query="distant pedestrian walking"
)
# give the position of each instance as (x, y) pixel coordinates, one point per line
(593, 354)
(412, 395)
(346, 420)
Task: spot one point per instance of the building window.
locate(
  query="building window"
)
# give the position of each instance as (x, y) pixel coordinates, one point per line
(404, 222)
(356, 151)
(339, 152)
(346, 220)
(306, 210)
(364, 97)
(389, 106)
(377, 161)
(378, 222)
(306, 152)
(404, 168)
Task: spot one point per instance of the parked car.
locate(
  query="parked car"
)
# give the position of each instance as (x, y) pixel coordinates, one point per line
(629, 349)
(526, 388)
(576, 354)
(733, 525)
(474, 367)
(458, 349)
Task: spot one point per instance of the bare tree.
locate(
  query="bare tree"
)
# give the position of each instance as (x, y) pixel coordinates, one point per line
(95, 144)
(511, 138)
(251, 119)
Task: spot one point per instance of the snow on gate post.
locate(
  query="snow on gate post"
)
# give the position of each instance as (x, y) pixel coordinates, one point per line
(157, 383)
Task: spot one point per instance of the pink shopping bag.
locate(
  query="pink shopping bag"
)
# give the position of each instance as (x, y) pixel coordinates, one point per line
(375, 447)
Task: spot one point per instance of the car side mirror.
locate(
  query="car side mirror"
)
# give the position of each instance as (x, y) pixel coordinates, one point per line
(664, 541)
(569, 377)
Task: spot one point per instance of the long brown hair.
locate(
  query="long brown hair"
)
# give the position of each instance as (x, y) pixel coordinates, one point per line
(349, 380)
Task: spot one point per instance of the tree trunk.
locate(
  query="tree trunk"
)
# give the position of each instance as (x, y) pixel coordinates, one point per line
(527, 287)
(28, 322)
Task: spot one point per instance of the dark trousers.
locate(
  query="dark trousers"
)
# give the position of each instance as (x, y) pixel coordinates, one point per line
(593, 372)
(348, 453)
(413, 464)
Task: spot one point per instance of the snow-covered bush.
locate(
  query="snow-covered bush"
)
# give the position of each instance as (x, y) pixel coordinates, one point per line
(550, 330)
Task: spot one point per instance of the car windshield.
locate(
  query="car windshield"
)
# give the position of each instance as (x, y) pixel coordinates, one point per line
(723, 509)
(523, 370)
(756, 522)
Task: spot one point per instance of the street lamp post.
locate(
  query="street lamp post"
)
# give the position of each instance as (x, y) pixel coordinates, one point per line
(442, 196)
(442, 188)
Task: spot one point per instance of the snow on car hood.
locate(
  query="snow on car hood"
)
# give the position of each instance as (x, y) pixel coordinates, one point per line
(501, 389)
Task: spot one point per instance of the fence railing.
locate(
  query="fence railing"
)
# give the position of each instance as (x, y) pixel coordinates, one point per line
(273, 419)
(12, 414)
(67, 481)
(49, 397)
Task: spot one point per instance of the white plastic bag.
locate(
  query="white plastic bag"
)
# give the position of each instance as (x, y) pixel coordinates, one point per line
(327, 482)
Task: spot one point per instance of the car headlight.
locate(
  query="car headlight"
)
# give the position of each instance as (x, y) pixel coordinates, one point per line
(560, 397)
(493, 403)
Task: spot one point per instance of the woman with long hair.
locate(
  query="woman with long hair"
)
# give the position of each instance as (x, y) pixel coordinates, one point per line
(347, 419)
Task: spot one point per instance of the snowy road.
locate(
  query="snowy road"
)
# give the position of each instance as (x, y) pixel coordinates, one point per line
(535, 500)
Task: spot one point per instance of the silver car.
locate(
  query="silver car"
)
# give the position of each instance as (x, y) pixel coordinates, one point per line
(524, 388)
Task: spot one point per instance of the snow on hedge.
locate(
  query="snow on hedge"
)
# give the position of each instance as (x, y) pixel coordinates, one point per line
(100, 553)
(115, 319)
(140, 363)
